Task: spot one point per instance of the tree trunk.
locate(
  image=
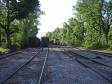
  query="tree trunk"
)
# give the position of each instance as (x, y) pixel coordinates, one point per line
(106, 36)
(8, 40)
(0, 38)
(7, 30)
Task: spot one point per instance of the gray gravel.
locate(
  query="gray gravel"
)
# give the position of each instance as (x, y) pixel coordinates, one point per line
(103, 59)
(10, 64)
(63, 70)
(30, 73)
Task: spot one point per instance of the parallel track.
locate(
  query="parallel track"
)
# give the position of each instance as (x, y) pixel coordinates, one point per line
(85, 57)
(86, 65)
(98, 53)
(98, 62)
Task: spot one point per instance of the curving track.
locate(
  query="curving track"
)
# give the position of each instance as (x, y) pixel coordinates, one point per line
(31, 71)
(10, 65)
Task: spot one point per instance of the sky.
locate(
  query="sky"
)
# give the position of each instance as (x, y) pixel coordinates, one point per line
(56, 13)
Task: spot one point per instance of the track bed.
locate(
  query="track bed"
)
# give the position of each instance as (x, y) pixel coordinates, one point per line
(23, 67)
(65, 67)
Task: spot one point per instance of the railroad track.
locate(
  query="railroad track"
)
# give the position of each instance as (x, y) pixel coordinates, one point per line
(4, 82)
(94, 58)
(43, 67)
(17, 67)
(22, 68)
(101, 53)
(96, 52)
(98, 62)
(89, 63)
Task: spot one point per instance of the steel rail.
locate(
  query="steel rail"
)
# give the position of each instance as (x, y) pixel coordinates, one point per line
(91, 59)
(43, 67)
(97, 53)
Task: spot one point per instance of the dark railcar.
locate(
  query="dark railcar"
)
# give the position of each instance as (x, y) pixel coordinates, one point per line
(32, 42)
(44, 41)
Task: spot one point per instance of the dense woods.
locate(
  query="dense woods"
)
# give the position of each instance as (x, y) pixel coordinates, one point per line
(91, 26)
(18, 21)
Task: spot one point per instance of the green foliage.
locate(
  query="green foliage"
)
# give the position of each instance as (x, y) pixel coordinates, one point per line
(91, 27)
(3, 51)
(18, 17)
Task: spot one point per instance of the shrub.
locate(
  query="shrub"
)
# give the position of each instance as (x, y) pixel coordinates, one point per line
(4, 51)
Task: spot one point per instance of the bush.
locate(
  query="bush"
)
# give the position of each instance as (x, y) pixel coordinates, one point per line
(4, 51)
(15, 46)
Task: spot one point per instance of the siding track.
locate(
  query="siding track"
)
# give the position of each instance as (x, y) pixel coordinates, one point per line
(91, 64)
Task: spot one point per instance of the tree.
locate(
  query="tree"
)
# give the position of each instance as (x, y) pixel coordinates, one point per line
(91, 27)
(97, 14)
(15, 10)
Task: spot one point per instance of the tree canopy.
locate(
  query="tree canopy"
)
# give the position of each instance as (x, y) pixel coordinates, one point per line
(14, 18)
(91, 26)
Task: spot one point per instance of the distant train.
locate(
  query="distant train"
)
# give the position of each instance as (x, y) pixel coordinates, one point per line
(36, 42)
(44, 41)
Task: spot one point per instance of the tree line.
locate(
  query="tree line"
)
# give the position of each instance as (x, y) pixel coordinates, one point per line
(91, 26)
(18, 21)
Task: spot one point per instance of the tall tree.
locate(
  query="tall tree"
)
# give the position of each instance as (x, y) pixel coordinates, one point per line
(15, 10)
(97, 14)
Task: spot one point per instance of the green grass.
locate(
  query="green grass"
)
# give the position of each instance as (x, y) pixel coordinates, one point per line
(4, 50)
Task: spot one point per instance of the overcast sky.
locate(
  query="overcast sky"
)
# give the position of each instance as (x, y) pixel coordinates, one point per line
(56, 12)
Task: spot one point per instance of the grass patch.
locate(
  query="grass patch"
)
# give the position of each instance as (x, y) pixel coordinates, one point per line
(4, 50)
